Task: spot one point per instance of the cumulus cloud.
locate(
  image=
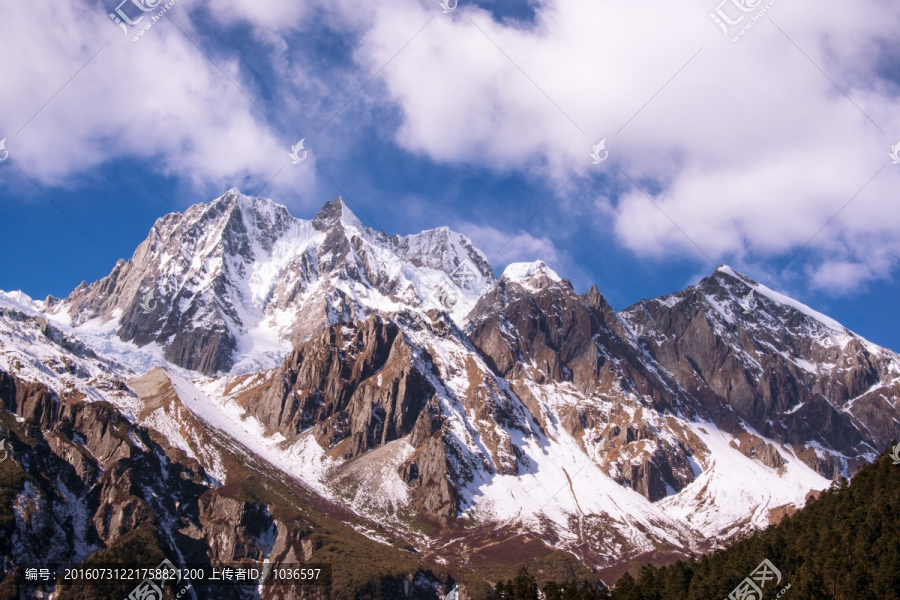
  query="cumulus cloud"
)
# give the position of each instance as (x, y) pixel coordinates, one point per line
(158, 100)
(503, 248)
(270, 17)
(749, 147)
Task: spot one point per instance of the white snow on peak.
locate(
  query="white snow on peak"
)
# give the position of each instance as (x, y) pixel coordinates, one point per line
(348, 217)
(524, 271)
(786, 300)
(19, 297)
(249, 254)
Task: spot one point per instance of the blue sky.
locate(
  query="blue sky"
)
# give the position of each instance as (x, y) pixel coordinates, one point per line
(767, 151)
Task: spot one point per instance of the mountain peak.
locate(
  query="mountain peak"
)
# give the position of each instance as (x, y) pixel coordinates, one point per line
(725, 277)
(594, 298)
(534, 276)
(235, 198)
(232, 197)
(726, 270)
(337, 211)
(524, 271)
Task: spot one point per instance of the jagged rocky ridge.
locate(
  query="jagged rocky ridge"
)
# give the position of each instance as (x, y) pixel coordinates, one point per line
(529, 419)
(790, 374)
(90, 479)
(240, 279)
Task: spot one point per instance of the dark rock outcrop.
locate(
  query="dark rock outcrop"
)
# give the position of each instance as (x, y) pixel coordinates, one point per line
(541, 330)
(776, 367)
(80, 478)
(754, 447)
(546, 332)
(356, 386)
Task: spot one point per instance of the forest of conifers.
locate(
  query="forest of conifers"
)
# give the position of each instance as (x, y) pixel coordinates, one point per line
(844, 545)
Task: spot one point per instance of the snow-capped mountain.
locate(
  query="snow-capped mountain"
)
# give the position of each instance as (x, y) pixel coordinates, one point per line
(782, 370)
(234, 284)
(394, 384)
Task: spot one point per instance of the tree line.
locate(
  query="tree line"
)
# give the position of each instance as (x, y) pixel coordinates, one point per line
(844, 545)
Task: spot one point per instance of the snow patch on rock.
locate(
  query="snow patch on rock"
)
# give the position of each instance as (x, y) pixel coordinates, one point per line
(522, 272)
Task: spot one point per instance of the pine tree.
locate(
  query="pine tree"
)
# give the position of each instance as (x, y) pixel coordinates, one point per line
(524, 586)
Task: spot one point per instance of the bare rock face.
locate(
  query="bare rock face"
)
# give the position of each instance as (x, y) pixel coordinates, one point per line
(793, 376)
(435, 492)
(427, 471)
(233, 528)
(119, 511)
(28, 399)
(355, 385)
(753, 447)
(552, 334)
(357, 388)
(540, 330)
(644, 461)
(84, 478)
(543, 331)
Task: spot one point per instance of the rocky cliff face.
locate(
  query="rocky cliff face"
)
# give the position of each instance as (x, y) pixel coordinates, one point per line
(355, 386)
(360, 387)
(792, 375)
(82, 479)
(537, 329)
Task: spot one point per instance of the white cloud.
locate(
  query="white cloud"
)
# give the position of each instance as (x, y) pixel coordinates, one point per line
(752, 147)
(158, 100)
(843, 276)
(269, 17)
(503, 248)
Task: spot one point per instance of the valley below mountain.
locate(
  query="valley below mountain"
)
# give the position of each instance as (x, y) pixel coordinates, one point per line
(250, 386)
